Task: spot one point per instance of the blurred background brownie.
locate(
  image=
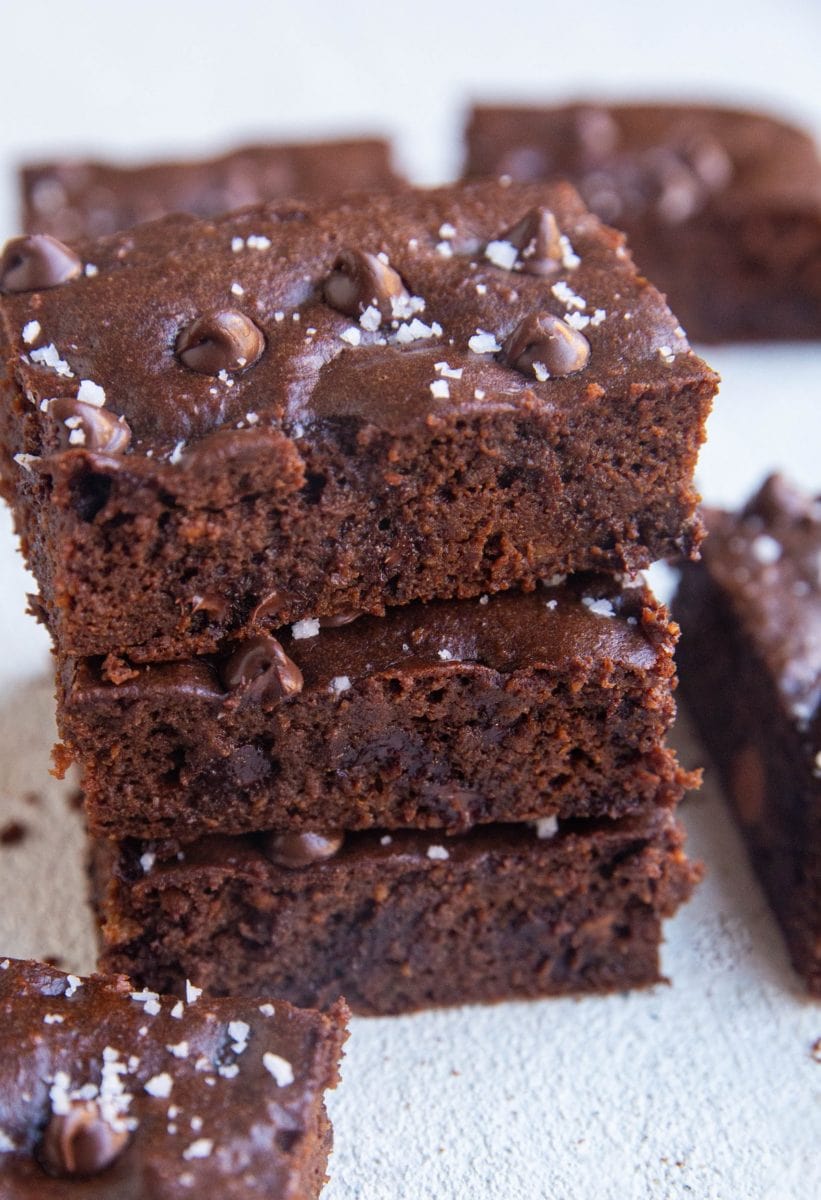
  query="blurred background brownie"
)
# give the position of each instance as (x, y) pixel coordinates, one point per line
(506, 708)
(74, 199)
(750, 663)
(722, 208)
(399, 921)
(107, 1091)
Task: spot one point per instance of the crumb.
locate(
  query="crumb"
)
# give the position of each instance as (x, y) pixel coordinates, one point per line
(13, 833)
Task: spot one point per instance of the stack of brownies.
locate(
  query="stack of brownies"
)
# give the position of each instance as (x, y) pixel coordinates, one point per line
(334, 509)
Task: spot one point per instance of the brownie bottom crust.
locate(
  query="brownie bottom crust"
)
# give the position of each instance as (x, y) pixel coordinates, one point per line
(399, 922)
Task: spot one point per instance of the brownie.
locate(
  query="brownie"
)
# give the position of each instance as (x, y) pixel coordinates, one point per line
(325, 409)
(722, 208)
(399, 921)
(505, 708)
(751, 674)
(107, 1091)
(73, 199)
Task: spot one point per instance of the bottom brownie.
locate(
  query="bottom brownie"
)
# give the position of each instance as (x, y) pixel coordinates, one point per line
(400, 921)
(107, 1093)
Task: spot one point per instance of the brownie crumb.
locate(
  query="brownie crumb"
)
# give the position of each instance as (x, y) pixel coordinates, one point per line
(13, 833)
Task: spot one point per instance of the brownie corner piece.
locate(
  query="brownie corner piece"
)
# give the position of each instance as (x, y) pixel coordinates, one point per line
(109, 1089)
(750, 667)
(335, 407)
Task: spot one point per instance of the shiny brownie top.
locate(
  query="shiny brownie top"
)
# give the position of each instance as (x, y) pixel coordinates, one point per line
(588, 624)
(767, 560)
(80, 198)
(661, 162)
(105, 1090)
(406, 312)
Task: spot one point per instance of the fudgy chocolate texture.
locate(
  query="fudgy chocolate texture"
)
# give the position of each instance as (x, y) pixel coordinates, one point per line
(401, 921)
(436, 715)
(722, 208)
(751, 672)
(72, 199)
(477, 426)
(109, 1092)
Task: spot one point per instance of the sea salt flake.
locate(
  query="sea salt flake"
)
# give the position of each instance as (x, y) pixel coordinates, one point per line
(602, 608)
(159, 1086)
(280, 1068)
(73, 984)
(478, 394)
(570, 259)
(267, 1010)
(415, 331)
(666, 354)
(91, 270)
(440, 389)
(180, 1050)
(252, 418)
(765, 549)
(438, 853)
(228, 1071)
(147, 860)
(404, 306)
(239, 1031)
(53, 1019)
(385, 840)
(551, 604)
(547, 827)
(178, 1010)
(237, 244)
(279, 316)
(447, 230)
(306, 628)
(483, 343)
(502, 254)
(599, 315)
(237, 289)
(484, 599)
(149, 1000)
(48, 356)
(339, 684)
(541, 372)
(5, 964)
(577, 320)
(371, 319)
(6, 1144)
(445, 655)
(31, 332)
(445, 249)
(446, 371)
(352, 336)
(570, 299)
(201, 1148)
(481, 289)
(258, 241)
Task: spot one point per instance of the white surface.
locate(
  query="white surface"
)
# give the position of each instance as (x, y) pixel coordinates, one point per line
(706, 1089)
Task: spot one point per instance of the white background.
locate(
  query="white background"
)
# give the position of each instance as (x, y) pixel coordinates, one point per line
(706, 1089)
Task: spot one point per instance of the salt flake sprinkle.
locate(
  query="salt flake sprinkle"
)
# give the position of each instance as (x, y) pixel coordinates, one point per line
(440, 389)
(6, 1144)
(201, 1148)
(279, 1068)
(502, 254)
(339, 684)
(48, 356)
(31, 332)
(438, 853)
(149, 1000)
(159, 1086)
(602, 608)
(192, 994)
(307, 628)
(90, 392)
(547, 827)
(484, 343)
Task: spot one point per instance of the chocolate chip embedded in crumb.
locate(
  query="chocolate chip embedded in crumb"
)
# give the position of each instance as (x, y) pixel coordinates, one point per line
(359, 281)
(29, 264)
(538, 240)
(80, 1142)
(295, 850)
(544, 346)
(220, 341)
(261, 670)
(87, 427)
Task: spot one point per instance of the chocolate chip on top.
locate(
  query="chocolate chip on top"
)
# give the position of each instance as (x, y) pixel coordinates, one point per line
(261, 670)
(294, 850)
(88, 427)
(359, 281)
(538, 241)
(80, 1142)
(545, 346)
(29, 264)
(220, 341)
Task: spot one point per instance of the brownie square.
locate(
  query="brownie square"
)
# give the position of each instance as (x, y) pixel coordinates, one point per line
(400, 921)
(722, 208)
(73, 199)
(109, 1091)
(751, 673)
(329, 409)
(506, 708)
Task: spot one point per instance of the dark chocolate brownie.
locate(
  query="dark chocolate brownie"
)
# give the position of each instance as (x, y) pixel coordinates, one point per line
(751, 673)
(399, 921)
(722, 208)
(73, 199)
(443, 714)
(325, 409)
(106, 1091)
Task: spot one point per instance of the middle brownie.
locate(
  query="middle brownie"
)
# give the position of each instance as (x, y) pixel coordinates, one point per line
(505, 708)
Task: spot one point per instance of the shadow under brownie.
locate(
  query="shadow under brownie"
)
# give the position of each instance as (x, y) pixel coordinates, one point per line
(332, 409)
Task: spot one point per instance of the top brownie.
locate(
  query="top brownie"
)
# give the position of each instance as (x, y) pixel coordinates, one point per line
(73, 199)
(722, 207)
(309, 410)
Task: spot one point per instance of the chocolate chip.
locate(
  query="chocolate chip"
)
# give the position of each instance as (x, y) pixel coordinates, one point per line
(39, 261)
(295, 850)
(220, 341)
(543, 342)
(80, 1142)
(261, 670)
(359, 281)
(537, 239)
(89, 427)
